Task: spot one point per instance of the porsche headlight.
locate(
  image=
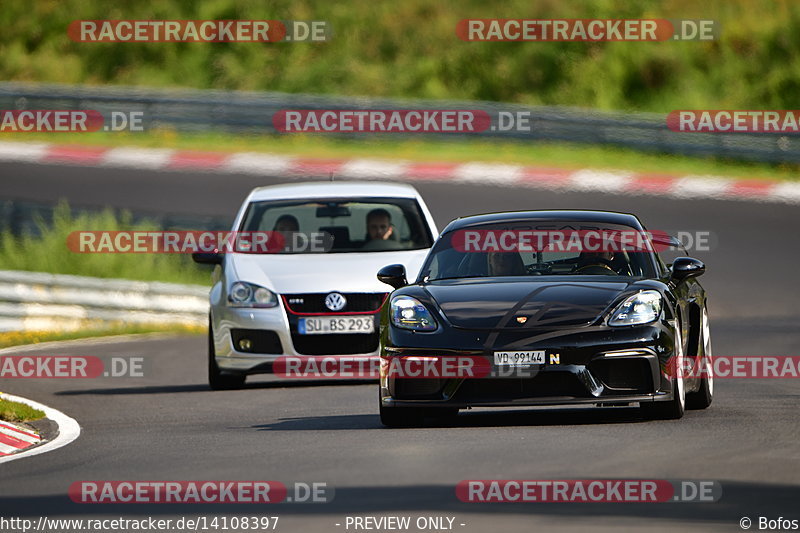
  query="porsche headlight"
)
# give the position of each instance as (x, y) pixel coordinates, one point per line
(244, 294)
(409, 313)
(641, 308)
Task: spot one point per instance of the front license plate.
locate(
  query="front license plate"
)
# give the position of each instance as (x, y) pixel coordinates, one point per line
(519, 358)
(337, 324)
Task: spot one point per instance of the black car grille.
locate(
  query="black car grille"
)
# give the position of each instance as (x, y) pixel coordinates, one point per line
(418, 389)
(631, 375)
(333, 344)
(357, 302)
(543, 385)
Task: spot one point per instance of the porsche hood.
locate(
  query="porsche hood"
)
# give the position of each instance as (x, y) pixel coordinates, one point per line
(479, 304)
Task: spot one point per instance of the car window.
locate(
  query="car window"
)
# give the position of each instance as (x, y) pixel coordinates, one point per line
(488, 257)
(338, 226)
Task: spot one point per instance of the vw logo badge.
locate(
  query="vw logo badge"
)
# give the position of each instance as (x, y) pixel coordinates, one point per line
(335, 301)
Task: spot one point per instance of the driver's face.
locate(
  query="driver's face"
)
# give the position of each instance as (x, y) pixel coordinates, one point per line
(286, 226)
(377, 227)
(604, 255)
(501, 264)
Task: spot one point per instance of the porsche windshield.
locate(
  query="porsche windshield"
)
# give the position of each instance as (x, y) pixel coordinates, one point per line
(541, 248)
(341, 225)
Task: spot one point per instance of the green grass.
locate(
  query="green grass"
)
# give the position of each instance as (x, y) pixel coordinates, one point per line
(410, 49)
(18, 412)
(19, 338)
(562, 155)
(48, 251)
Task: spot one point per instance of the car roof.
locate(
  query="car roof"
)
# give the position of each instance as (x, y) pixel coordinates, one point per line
(608, 217)
(333, 189)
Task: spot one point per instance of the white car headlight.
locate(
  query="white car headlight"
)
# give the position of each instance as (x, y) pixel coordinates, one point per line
(409, 313)
(243, 294)
(641, 308)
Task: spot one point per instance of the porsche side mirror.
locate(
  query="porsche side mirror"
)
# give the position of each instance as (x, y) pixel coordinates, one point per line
(394, 275)
(686, 267)
(207, 258)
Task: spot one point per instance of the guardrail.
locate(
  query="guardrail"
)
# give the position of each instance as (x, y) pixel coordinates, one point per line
(195, 110)
(35, 301)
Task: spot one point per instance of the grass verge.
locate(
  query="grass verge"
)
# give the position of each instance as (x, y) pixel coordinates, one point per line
(48, 251)
(563, 155)
(18, 412)
(18, 338)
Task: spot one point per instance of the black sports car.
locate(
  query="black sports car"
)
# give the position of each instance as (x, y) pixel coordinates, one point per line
(529, 321)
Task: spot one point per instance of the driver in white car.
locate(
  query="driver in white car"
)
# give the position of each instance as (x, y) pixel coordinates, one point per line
(380, 231)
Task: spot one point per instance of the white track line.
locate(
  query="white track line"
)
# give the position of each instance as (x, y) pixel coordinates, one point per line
(293, 167)
(373, 169)
(488, 173)
(6, 450)
(600, 180)
(788, 192)
(257, 164)
(701, 187)
(14, 432)
(34, 152)
(149, 158)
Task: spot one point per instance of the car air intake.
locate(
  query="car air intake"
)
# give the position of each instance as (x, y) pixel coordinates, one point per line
(256, 341)
(341, 344)
(628, 374)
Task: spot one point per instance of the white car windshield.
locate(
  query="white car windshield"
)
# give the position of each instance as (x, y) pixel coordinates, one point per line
(341, 225)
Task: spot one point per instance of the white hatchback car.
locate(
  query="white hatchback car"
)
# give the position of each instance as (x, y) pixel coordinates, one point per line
(291, 303)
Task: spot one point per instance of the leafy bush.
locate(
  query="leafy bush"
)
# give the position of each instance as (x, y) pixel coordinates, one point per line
(410, 49)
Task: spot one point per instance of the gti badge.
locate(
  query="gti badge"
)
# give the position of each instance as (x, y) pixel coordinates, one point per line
(522, 319)
(335, 301)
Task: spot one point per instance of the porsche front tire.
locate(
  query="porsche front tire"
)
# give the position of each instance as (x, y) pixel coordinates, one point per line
(704, 395)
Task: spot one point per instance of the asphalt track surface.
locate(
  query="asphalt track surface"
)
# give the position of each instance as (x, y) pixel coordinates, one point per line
(169, 426)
